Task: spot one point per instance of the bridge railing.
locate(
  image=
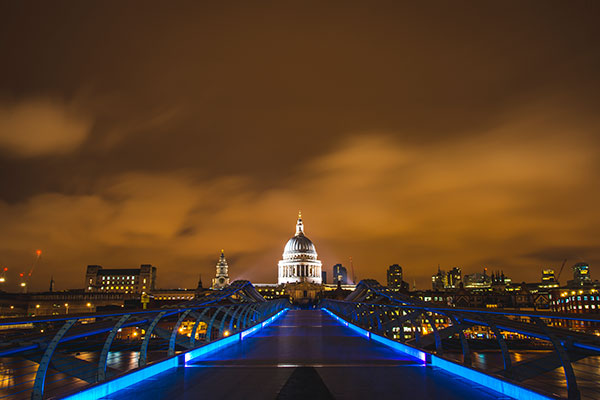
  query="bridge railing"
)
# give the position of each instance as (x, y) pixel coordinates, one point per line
(567, 338)
(49, 356)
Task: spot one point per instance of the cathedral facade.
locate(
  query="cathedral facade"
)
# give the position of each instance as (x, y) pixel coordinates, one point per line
(299, 263)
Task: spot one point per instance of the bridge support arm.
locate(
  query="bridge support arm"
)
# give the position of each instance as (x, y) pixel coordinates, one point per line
(101, 375)
(466, 351)
(501, 343)
(144, 348)
(171, 351)
(37, 392)
(572, 389)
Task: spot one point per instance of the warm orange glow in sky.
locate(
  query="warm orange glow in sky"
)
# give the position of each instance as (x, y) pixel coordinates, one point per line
(456, 134)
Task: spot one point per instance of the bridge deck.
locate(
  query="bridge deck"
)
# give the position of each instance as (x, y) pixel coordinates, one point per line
(306, 354)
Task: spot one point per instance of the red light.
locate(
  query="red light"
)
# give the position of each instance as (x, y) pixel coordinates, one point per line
(5, 269)
(38, 252)
(21, 274)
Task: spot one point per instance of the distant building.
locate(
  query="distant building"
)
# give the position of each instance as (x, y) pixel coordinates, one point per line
(446, 281)
(439, 281)
(581, 301)
(340, 274)
(221, 278)
(324, 277)
(478, 281)
(454, 278)
(394, 276)
(173, 295)
(548, 279)
(120, 280)
(581, 275)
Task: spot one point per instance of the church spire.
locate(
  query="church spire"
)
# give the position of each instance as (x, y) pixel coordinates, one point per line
(299, 225)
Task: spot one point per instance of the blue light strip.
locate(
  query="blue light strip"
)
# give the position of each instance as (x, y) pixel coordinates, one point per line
(409, 350)
(499, 385)
(490, 382)
(121, 382)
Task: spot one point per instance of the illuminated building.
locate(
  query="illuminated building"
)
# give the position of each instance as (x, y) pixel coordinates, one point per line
(299, 263)
(478, 281)
(340, 274)
(579, 301)
(122, 280)
(454, 278)
(581, 275)
(222, 276)
(439, 281)
(176, 295)
(548, 279)
(394, 277)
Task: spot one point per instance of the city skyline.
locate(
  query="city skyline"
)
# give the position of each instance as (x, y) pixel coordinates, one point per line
(462, 137)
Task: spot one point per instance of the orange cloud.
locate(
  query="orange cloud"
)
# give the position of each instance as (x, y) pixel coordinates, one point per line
(40, 127)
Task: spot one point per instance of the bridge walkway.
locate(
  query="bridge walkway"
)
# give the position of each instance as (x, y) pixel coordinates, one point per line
(306, 354)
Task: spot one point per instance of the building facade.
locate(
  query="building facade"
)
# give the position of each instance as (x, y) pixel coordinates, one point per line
(300, 262)
(581, 301)
(221, 278)
(340, 274)
(394, 276)
(120, 280)
(581, 275)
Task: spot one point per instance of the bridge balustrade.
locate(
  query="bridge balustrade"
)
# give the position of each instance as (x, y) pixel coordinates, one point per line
(566, 337)
(42, 357)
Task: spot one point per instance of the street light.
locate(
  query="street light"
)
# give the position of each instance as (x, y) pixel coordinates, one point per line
(67, 308)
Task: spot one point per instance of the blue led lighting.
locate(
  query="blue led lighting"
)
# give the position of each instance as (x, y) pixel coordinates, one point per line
(121, 382)
(506, 388)
(409, 350)
(499, 385)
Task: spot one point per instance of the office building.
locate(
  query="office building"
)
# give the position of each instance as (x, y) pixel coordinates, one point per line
(340, 274)
(120, 280)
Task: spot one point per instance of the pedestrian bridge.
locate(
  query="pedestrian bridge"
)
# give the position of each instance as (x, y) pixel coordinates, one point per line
(232, 343)
(305, 354)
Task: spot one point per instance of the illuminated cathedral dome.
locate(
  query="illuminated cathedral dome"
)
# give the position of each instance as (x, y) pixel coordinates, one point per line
(299, 244)
(299, 261)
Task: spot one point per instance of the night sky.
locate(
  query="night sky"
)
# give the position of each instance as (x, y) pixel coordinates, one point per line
(453, 133)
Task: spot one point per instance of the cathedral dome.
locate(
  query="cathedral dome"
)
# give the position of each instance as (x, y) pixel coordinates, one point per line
(299, 244)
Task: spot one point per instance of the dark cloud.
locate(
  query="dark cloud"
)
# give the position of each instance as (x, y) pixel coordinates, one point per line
(459, 134)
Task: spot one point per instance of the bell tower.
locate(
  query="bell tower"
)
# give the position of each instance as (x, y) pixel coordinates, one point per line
(222, 277)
